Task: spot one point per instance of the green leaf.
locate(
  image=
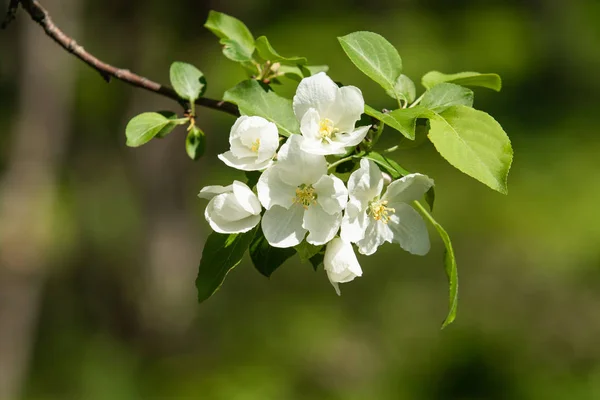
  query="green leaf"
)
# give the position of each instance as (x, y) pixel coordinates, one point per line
(473, 142)
(234, 51)
(317, 260)
(430, 197)
(374, 56)
(252, 178)
(169, 128)
(403, 120)
(220, 255)
(253, 98)
(267, 259)
(234, 31)
(187, 80)
(449, 264)
(195, 143)
(306, 250)
(490, 81)
(387, 164)
(142, 128)
(404, 89)
(267, 52)
(445, 95)
(310, 70)
(297, 72)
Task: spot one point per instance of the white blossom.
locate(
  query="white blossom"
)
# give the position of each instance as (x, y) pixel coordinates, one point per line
(371, 219)
(253, 141)
(231, 209)
(340, 263)
(300, 197)
(328, 115)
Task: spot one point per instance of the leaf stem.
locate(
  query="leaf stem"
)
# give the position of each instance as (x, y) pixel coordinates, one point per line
(338, 162)
(417, 101)
(392, 149)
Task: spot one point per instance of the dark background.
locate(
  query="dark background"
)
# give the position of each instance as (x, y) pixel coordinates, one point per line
(100, 243)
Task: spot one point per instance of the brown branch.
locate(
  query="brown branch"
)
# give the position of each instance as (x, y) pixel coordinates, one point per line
(41, 16)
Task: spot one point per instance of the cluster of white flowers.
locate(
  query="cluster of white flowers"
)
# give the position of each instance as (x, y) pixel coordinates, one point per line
(304, 202)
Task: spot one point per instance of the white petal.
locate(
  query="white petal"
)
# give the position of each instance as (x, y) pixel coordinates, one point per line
(409, 229)
(244, 164)
(376, 234)
(318, 92)
(408, 188)
(354, 224)
(347, 108)
(298, 166)
(340, 263)
(226, 216)
(317, 146)
(246, 198)
(321, 226)
(332, 195)
(309, 125)
(283, 227)
(272, 190)
(365, 184)
(354, 137)
(269, 142)
(208, 192)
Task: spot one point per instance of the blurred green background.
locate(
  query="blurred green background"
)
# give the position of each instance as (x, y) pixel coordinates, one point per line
(100, 243)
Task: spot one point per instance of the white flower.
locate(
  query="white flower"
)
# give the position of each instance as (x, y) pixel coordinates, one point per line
(340, 263)
(231, 209)
(328, 114)
(254, 141)
(371, 220)
(299, 196)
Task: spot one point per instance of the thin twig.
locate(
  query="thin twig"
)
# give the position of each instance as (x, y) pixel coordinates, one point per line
(40, 15)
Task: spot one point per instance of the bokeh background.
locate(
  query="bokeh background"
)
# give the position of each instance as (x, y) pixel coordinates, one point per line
(100, 243)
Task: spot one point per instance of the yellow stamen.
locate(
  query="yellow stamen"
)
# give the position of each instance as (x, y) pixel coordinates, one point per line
(326, 129)
(255, 146)
(379, 211)
(305, 196)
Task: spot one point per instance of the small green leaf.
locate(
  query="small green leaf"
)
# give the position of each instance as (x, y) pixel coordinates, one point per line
(297, 72)
(490, 81)
(445, 95)
(230, 28)
(310, 70)
(267, 259)
(253, 98)
(404, 89)
(220, 255)
(187, 80)
(142, 128)
(374, 56)
(449, 264)
(195, 143)
(387, 164)
(252, 178)
(430, 197)
(473, 142)
(234, 51)
(317, 260)
(403, 120)
(306, 250)
(267, 52)
(169, 128)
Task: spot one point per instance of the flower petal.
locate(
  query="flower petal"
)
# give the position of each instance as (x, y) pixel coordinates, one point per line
(283, 227)
(340, 263)
(317, 146)
(318, 92)
(246, 198)
(365, 184)
(309, 125)
(244, 164)
(208, 192)
(409, 229)
(332, 195)
(376, 234)
(347, 108)
(408, 188)
(321, 226)
(225, 215)
(354, 137)
(299, 167)
(354, 224)
(272, 190)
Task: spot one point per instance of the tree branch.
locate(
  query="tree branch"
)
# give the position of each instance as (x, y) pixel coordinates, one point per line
(41, 16)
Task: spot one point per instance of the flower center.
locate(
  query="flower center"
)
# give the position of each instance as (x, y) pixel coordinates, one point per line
(379, 211)
(326, 129)
(255, 146)
(305, 196)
